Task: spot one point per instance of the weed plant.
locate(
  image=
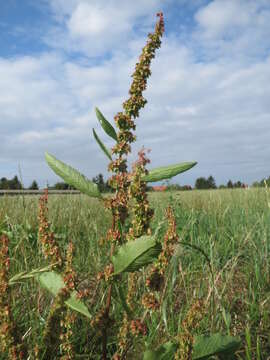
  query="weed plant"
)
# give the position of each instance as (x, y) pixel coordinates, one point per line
(190, 283)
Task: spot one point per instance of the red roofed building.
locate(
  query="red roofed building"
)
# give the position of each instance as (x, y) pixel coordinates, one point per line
(159, 188)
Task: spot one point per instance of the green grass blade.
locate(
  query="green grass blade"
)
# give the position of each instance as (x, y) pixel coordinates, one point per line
(53, 282)
(167, 172)
(107, 127)
(72, 176)
(102, 146)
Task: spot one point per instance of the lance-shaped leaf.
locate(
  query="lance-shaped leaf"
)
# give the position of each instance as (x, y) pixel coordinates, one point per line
(107, 127)
(102, 146)
(135, 254)
(163, 352)
(72, 176)
(167, 172)
(53, 282)
(216, 344)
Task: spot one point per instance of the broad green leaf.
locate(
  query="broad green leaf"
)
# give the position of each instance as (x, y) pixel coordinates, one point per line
(102, 146)
(72, 176)
(216, 344)
(53, 282)
(24, 275)
(167, 172)
(135, 254)
(164, 352)
(107, 127)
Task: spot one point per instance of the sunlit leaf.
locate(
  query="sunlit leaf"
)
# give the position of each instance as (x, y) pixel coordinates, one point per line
(135, 254)
(72, 176)
(167, 172)
(53, 282)
(102, 146)
(216, 344)
(107, 127)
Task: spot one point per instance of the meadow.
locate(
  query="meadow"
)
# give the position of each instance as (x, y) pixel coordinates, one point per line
(232, 227)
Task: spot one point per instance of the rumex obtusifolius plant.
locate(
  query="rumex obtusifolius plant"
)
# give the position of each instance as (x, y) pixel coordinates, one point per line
(133, 246)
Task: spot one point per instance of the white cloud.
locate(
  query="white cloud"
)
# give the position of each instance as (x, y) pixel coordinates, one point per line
(213, 109)
(95, 27)
(233, 28)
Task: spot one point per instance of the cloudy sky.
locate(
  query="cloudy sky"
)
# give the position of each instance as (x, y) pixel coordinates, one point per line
(208, 96)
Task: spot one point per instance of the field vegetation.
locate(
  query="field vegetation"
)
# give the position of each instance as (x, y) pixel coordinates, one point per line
(231, 226)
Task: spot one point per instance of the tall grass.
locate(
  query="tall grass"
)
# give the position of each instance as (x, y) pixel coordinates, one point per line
(231, 226)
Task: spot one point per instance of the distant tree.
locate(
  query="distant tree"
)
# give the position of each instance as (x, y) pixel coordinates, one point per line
(15, 184)
(4, 183)
(222, 187)
(62, 186)
(174, 187)
(256, 184)
(186, 187)
(229, 184)
(211, 182)
(238, 184)
(33, 186)
(102, 185)
(201, 183)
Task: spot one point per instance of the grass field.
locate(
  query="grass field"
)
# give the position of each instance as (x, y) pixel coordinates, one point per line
(231, 226)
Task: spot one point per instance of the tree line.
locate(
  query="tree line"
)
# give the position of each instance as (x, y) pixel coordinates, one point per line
(16, 184)
(201, 183)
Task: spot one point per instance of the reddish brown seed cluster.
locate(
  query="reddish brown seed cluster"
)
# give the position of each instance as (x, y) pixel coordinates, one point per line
(150, 302)
(142, 213)
(170, 240)
(69, 273)
(138, 327)
(58, 329)
(68, 317)
(108, 272)
(123, 334)
(126, 124)
(9, 339)
(50, 249)
(101, 321)
(189, 324)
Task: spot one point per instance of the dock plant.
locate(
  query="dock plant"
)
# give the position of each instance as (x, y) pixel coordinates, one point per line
(138, 255)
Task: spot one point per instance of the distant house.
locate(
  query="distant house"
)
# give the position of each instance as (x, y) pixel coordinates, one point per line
(159, 188)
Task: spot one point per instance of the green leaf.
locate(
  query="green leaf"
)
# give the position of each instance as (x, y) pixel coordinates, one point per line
(167, 172)
(135, 254)
(163, 352)
(107, 127)
(102, 146)
(216, 344)
(72, 176)
(24, 275)
(53, 282)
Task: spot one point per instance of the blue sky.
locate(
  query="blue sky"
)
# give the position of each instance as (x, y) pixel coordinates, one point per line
(208, 96)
